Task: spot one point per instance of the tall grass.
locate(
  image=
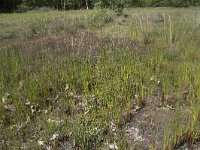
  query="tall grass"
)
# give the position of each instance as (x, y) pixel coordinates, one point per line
(80, 99)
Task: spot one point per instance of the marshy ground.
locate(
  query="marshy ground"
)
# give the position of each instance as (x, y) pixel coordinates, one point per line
(100, 80)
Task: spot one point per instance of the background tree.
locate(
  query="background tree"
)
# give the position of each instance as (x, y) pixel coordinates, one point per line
(12, 5)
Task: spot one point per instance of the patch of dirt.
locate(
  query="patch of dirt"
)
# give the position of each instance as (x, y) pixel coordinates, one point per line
(195, 146)
(66, 145)
(149, 124)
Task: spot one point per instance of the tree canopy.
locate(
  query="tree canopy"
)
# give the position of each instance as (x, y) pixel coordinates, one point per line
(13, 5)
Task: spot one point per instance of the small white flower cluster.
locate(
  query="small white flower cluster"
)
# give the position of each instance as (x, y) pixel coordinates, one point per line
(34, 107)
(5, 98)
(54, 137)
(113, 146)
(42, 142)
(136, 108)
(8, 103)
(66, 87)
(20, 85)
(134, 133)
(136, 96)
(154, 79)
(57, 122)
(113, 127)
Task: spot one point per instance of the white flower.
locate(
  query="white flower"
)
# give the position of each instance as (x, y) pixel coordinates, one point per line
(48, 147)
(57, 96)
(28, 120)
(33, 109)
(55, 136)
(95, 129)
(71, 94)
(28, 103)
(40, 142)
(113, 127)
(113, 146)
(152, 78)
(3, 100)
(136, 96)
(45, 111)
(86, 112)
(136, 108)
(20, 84)
(7, 94)
(66, 87)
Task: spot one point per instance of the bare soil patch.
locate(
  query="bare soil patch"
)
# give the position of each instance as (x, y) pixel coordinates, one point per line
(147, 128)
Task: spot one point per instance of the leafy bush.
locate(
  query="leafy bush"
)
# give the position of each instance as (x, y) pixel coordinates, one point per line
(24, 7)
(100, 18)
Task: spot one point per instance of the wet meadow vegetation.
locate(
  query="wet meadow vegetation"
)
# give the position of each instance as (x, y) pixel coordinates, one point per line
(98, 79)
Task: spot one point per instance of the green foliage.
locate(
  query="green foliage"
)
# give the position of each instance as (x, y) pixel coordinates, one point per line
(100, 18)
(24, 6)
(117, 5)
